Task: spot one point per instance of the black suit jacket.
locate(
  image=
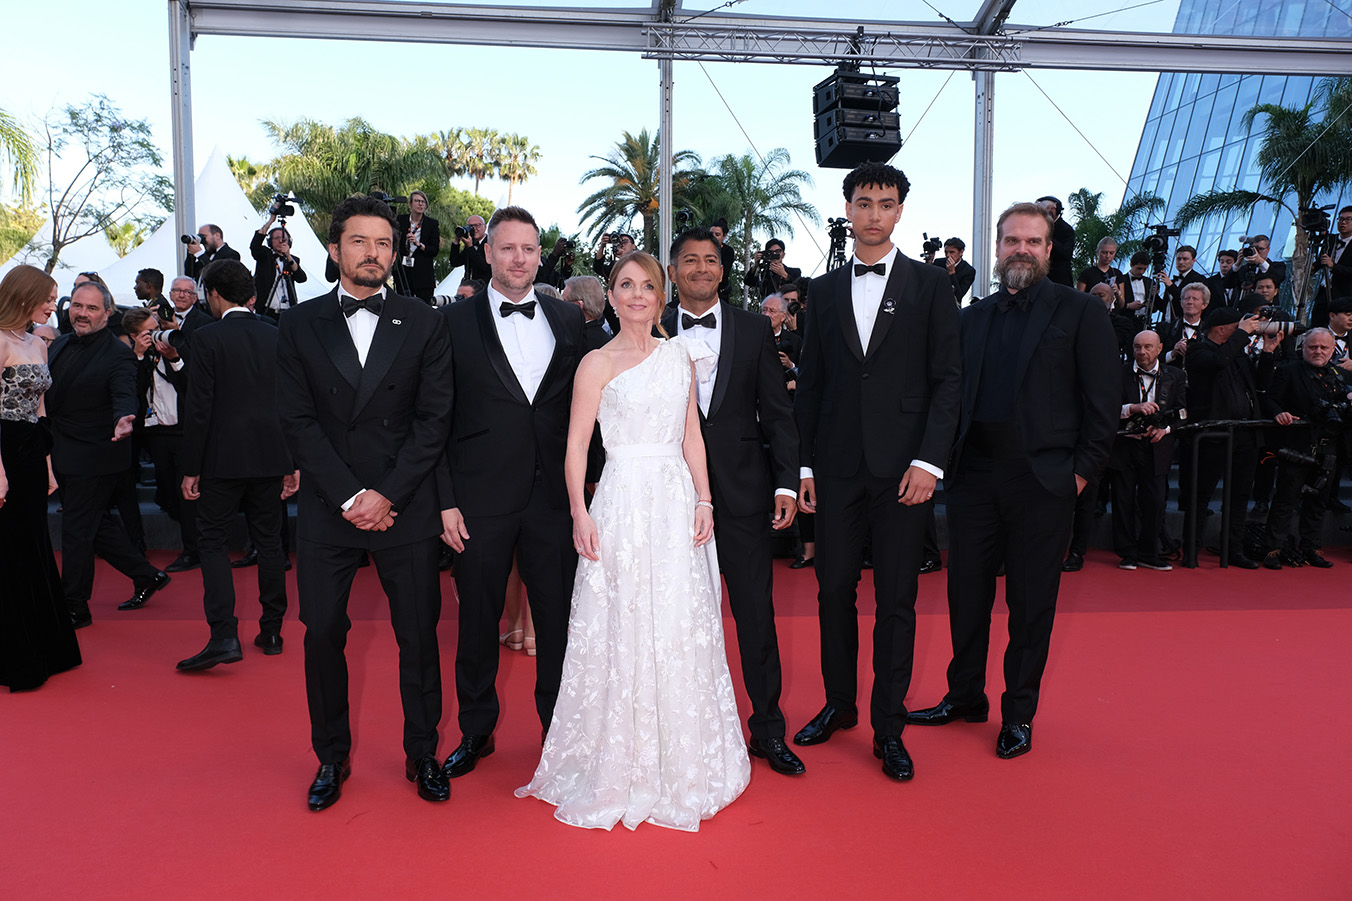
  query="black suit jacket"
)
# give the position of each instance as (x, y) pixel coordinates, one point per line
(1063, 253)
(1067, 377)
(84, 405)
(962, 278)
(1173, 292)
(895, 401)
(1170, 335)
(749, 407)
(791, 343)
(473, 259)
(1171, 393)
(1223, 382)
(497, 436)
(193, 265)
(231, 428)
(265, 271)
(421, 274)
(380, 426)
(1297, 389)
(1225, 290)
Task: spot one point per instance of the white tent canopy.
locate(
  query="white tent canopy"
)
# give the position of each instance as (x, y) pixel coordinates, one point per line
(221, 201)
(86, 255)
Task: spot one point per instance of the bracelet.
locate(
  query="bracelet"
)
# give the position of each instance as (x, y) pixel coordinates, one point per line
(708, 504)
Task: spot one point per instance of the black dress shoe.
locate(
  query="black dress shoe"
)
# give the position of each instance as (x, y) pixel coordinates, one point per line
(824, 724)
(946, 712)
(464, 757)
(270, 642)
(183, 563)
(286, 564)
(1316, 559)
(1074, 563)
(218, 650)
(80, 620)
(1015, 739)
(896, 762)
(328, 785)
(138, 600)
(802, 562)
(931, 566)
(780, 757)
(1273, 560)
(250, 558)
(431, 780)
(1243, 562)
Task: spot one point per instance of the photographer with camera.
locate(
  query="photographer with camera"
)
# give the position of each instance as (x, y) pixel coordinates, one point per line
(1255, 255)
(207, 246)
(1308, 396)
(960, 272)
(1337, 266)
(719, 229)
(276, 269)
(422, 242)
(468, 249)
(619, 245)
(769, 274)
(1227, 285)
(1185, 275)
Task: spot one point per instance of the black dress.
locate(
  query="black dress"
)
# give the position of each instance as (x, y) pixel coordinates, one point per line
(36, 635)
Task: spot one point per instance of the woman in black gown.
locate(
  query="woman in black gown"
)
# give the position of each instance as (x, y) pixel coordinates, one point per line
(37, 638)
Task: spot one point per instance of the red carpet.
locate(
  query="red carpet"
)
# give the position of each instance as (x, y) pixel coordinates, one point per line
(1193, 742)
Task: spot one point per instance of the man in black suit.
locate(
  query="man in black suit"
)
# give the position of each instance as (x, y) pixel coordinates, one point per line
(1153, 398)
(277, 270)
(91, 407)
(788, 343)
(1226, 285)
(1261, 265)
(468, 251)
(877, 409)
(743, 404)
(1138, 293)
(1177, 336)
(960, 272)
(1184, 258)
(1337, 265)
(364, 396)
(719, 229)
(1063, 243)
(1040, 385)
(513, 357)
(422, 242)
(209, 247)
(235, 460)
(768, 272)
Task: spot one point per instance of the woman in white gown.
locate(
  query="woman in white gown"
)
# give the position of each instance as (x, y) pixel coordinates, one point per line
(646, 726)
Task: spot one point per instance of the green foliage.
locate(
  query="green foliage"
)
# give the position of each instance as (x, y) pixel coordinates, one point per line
(451, 207)
(1126, 225)
(257, 180)
(126, 236)
(18, 225)
(630, 178)
(517, 161)
(19, 151)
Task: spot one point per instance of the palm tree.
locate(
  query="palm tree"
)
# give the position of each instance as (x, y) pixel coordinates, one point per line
(255, 179)
(631, 173)
(18, 148)
(482, 154)
(518, 160)
(764, 195)
(1122, 225)
(125, 236)
(1299, 159)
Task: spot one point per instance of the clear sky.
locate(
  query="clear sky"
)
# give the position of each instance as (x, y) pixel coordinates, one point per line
(576, 104)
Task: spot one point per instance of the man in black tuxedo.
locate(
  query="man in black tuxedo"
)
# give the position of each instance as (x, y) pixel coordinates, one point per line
(1337, 265)
(1153, 398)
(1261, 265)
(1040, 386)
(468, 251)
(719, 229)
(768, 272)
(877, 409)
(235, 460)
(1063, 243)
(743, 404)
(513, 356)
(960, 272)
(422, 242)
(1184, 259)
(1138, 293)
(209, 247)
(91, 407)
(1226, 285)
(788, 343)
(364, 396)
(1194, 300)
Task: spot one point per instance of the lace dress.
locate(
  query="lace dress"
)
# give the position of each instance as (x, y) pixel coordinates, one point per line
(37, 639)
(646, 726)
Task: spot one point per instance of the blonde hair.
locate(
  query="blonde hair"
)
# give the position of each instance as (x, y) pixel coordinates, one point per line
(653, 269)
(22, 291)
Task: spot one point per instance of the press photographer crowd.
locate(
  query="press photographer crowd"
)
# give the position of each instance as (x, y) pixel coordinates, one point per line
(1219, 391)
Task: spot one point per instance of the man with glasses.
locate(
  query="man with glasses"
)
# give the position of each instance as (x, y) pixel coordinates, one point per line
(209, 247)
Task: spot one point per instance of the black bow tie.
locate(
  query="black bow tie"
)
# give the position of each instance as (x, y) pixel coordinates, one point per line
(1142, 372)
(526, 308)
(375, 303)
(707, 320)
(1004, 300)
(876, 269)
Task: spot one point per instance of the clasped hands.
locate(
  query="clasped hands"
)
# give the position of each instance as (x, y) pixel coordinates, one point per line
(370, 511)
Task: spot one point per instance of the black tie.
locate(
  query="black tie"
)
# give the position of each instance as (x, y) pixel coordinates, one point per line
(375, 303)
(527, 309)
(1004, 300)
(689, 322)
(876, 269)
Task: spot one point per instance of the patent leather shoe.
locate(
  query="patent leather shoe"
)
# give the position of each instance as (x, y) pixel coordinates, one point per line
(1273, 560)
(896, 762)
(802, 562)
(780, 757)
(270, 642)
(931, 566)
(328, 785)
(183, 563)
(82, 619)
(1243, 562)
(946, 712)
(250, 558)
(1073, 564)
(138, 600)
(218, 650)
(431, 780)
(464, 758)
(1014, 739)
(824, 724)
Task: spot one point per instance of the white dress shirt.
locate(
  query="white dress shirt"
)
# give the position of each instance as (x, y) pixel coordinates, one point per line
(713, 337)
(528, 343)
(361, 325)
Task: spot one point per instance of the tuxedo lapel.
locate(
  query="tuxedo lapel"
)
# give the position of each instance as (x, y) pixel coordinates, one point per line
(844, 299)
(727, 346)
(385, 345)
(493, 348)
(563, 344)
(332, 332)
(888, 306)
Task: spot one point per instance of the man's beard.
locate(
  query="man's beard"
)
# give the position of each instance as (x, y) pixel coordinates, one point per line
(1022, 270)
(357, 277)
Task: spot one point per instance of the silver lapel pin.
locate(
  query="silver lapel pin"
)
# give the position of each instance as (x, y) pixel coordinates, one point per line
(889, 305)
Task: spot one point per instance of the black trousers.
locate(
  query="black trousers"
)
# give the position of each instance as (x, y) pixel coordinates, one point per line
(745, 557)
(1291, 478)
(221, 500)
(998, 511)
(87, 528)
(1211, 470)
(164, 444)
(1138, 501)
(408, 573)
(540, 538)
(1082, 520)
(850, 511)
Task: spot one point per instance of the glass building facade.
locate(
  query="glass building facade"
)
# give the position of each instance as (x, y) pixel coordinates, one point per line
(1193, 139)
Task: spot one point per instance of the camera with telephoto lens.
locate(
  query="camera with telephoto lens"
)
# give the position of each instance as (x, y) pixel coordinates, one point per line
(283, 206)
(770, 254)
(931, 245)
(1140, 423)
(188, 239)
(1157, 245)
(171, 336)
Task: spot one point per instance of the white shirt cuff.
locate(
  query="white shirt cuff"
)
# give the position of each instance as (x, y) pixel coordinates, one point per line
(805, 472)
(929, 468)
(1126, 412)
(786, 492)
(347, 505)
(176, 365)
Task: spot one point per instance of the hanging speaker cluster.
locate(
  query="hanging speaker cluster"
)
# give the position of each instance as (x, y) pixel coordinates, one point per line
(856, 119)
